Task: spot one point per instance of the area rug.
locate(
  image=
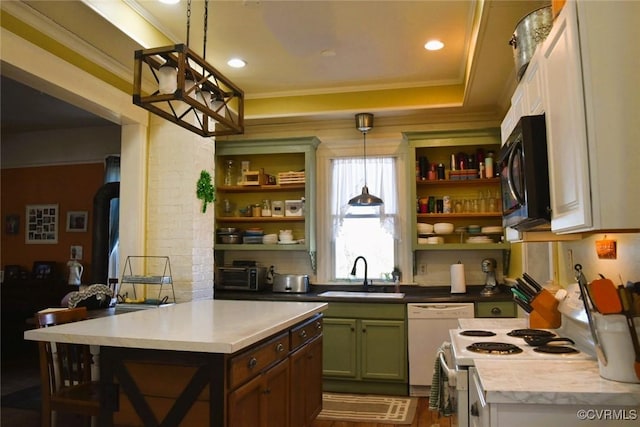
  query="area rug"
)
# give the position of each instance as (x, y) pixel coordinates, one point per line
(368, 408)
(28, 398)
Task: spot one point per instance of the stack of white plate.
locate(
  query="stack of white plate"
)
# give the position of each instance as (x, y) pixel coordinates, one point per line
(479, 239)
(435, 240)
(492, 229)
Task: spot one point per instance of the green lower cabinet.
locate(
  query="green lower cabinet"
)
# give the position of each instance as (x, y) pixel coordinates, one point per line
(383, 350)
(340, 351)
(365, 356)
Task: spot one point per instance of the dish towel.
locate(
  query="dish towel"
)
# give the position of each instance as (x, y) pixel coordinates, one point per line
(440, 396)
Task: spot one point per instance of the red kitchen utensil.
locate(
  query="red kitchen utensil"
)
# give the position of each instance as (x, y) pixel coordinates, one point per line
(625, 301)
(605, 296)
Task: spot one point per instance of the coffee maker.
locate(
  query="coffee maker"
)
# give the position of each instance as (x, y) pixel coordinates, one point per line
(490, 284)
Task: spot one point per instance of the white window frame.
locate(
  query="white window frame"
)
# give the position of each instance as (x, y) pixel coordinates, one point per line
(327, 151)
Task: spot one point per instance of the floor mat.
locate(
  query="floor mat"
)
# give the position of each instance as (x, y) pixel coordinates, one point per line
(368, 408)
(28, 398)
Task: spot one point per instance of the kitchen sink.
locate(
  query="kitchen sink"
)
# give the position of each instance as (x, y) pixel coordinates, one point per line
(351, 294)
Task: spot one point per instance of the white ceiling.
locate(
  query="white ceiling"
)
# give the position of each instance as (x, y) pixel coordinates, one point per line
(376, 45)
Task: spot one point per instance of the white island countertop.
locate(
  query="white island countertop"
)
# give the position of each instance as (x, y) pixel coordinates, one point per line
(558, 382)
(212, 326)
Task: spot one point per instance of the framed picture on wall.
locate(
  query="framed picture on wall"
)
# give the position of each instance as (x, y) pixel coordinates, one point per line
(12, 224)
(77, 220)
(41, 224)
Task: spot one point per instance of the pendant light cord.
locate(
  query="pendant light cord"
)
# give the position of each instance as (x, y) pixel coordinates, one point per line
(364, 151)
(188, 20)
(206, 21)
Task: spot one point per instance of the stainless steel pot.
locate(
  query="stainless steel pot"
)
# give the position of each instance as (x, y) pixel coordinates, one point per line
(530, 31)
(233, 238)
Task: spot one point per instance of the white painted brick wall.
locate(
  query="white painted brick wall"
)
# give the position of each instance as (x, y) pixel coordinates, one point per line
(176, 226)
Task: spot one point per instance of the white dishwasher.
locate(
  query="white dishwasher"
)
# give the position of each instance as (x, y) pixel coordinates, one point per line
(428, 326)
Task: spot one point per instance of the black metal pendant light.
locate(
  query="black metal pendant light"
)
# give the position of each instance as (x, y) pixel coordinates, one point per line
(364, 123)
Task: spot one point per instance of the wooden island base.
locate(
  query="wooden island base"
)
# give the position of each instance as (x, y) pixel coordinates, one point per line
(275, 382)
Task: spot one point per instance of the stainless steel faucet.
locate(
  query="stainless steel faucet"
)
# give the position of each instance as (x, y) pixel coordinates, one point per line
(353, 271)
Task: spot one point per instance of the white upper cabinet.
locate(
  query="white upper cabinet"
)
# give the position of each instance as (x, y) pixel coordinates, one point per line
(527, 99)
(532, 82)
(592, 103)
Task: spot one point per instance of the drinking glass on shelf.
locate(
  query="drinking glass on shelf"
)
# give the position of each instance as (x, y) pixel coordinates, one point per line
(482, 202)
(458, 206)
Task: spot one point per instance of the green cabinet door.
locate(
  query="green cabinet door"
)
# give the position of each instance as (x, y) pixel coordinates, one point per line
(339, 351)
(384, 349)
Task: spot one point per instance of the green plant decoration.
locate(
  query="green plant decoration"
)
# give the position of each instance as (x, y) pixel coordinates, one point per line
(205, 190)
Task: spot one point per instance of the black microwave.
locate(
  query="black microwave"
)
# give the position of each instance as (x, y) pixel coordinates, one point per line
(524, 176)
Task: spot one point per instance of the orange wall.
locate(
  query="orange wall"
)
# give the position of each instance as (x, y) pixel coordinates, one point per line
(72, 188)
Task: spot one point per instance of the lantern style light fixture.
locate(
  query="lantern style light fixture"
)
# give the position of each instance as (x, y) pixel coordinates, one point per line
(364, 123)
(187, 90)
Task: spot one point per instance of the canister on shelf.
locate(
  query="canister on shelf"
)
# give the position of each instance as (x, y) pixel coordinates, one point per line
(266, 208)
(432, 175)
(440, 171)
(446, 204)
(423, 205)
(256, 210)
(423, 165)
(489, 167)
(432, 204)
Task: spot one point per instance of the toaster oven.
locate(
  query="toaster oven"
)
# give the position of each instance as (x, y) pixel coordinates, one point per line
(240, 278)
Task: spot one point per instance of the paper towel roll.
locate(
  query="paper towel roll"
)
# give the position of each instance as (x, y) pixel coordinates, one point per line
(458, 284)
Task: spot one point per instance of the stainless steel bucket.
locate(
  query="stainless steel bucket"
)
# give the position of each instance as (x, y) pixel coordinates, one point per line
(530, 31)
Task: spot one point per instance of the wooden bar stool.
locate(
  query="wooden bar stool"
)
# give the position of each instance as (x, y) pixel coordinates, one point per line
(65, 372)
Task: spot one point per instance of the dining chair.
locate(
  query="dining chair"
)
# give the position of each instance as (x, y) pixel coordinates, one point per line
(65, 372)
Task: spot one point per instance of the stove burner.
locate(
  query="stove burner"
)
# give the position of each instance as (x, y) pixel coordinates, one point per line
(530, 333)
(494, 348)
(555, 349)
(476, 333)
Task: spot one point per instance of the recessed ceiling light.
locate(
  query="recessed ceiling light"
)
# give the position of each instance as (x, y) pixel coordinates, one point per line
(169, 1)
(433, 45)
(236, 63)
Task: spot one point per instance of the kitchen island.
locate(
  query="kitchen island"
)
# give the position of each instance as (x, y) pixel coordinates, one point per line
(207, 362)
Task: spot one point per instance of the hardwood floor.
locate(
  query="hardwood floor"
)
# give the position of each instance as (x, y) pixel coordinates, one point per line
(424, 418)
(22, 372)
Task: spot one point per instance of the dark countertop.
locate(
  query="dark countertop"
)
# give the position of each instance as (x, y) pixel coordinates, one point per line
(413, 294)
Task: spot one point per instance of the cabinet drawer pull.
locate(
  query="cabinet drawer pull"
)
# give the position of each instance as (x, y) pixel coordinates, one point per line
(496, 311)
(319, 325)
(253, 362)
(279, 348)
(303, 333)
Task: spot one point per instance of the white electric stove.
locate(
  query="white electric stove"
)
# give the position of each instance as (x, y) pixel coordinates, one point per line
(509, 344)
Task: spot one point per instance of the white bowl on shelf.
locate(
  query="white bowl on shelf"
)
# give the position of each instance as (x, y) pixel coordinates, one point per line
(435, 240)
(270, 239)
(424, 228)
(443, 228)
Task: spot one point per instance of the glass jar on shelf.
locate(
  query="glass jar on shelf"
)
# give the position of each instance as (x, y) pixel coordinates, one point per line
(230, 173)
(266, 208)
